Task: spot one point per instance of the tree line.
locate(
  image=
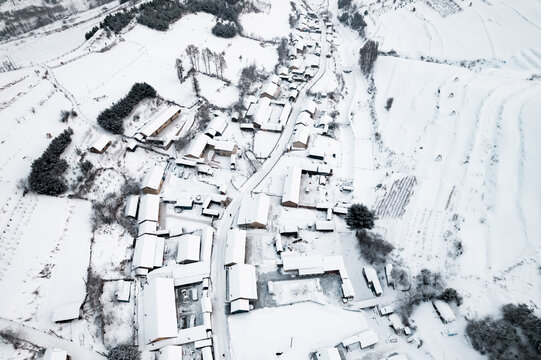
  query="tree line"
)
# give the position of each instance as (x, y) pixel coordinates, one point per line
(159, 14)
(46, 176)
(112, 118)
(214, 64)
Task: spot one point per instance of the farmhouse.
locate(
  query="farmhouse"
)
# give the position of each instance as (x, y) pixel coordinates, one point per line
(300, 137)
(225, 147)
(189, 248)
(365, 339)
(292, 187)
(100, 145)
(242, 282)
(310, 107)
(236, 247)
(153, 180)
(149, 208)
(197, 146)
(254, 211)
(159, 310)
(148, 252)
(216, 127)
(270, 90)
(160, 122)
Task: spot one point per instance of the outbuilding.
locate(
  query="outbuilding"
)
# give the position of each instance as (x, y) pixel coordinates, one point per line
(242, 282)
(149, 208)
(270, 90)
(132, 203)
(301, 135)
(67, 312)
(55, 354)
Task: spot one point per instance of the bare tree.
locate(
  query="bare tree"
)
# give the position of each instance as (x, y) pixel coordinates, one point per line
(220, 60)
(193, 54)
(208, 56)
(195, 84)
(180, 70)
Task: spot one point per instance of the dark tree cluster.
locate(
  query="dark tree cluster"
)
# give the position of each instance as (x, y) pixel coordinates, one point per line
(360, 217)
(353, 19)
(112, 119)
(159, 14)
(248, 77)
(47, 170)
(222, 9)
(373, 247)
(282, 52)
(517, 335)
(124, 352)
(225, 30)
(344, 4)
(117, 22)
(367, 56)
(91, 33)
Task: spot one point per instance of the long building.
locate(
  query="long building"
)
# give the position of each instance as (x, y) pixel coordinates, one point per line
(160, 121)
(235, 250)
(159, 310)
(292, 187)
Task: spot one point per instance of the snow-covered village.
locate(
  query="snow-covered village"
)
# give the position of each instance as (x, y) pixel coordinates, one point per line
(270, 179)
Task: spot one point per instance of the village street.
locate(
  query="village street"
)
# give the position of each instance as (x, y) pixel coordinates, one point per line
(218, 272)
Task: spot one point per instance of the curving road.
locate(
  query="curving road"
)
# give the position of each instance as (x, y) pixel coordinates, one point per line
(218, 273)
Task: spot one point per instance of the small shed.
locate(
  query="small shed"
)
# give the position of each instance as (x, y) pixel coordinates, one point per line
(67, 312)
(132, 203)
(55, 354)
(444, 311)
(123, 290)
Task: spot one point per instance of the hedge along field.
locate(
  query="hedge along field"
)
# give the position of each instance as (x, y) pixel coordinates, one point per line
(112, 119)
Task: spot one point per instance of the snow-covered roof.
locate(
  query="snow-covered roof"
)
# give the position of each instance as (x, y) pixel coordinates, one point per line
(347, 289)
(217, 125)
(149, 208)
(100, 144)
(159, 120)
(206, 303)
(283, 70)
(254, 211)
(123, 290)
(224, 145)
(55, 354)
(147, 227)
(145, 252)
(189, 248)
(159, 309)
(303, 119)
(310, 107)
(275, 79)
(328, 354)
(240, 305)
(372, 278)
(284, 115)
(295, 64)
(300, 136)
(158, 251)
(263, 111)
(242, 282)
(366, 338)
(170, 352)
(67, 312)
(325, 225)
(236, 247)
(292, 187)
(153, 179)
(132, 202)
(444, 310)
(288, 228)
(186, 162)
(206, 353)
(305, 264)
(197, 146)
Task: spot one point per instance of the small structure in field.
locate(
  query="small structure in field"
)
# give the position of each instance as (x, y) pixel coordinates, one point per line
(153, 180)
(55, 354)
(444, 311)
(67, 312)
(100, 145)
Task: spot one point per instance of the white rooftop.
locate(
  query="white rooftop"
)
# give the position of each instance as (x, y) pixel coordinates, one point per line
(254, 210)
(149, 208)
(159, 309)
(242, 282)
